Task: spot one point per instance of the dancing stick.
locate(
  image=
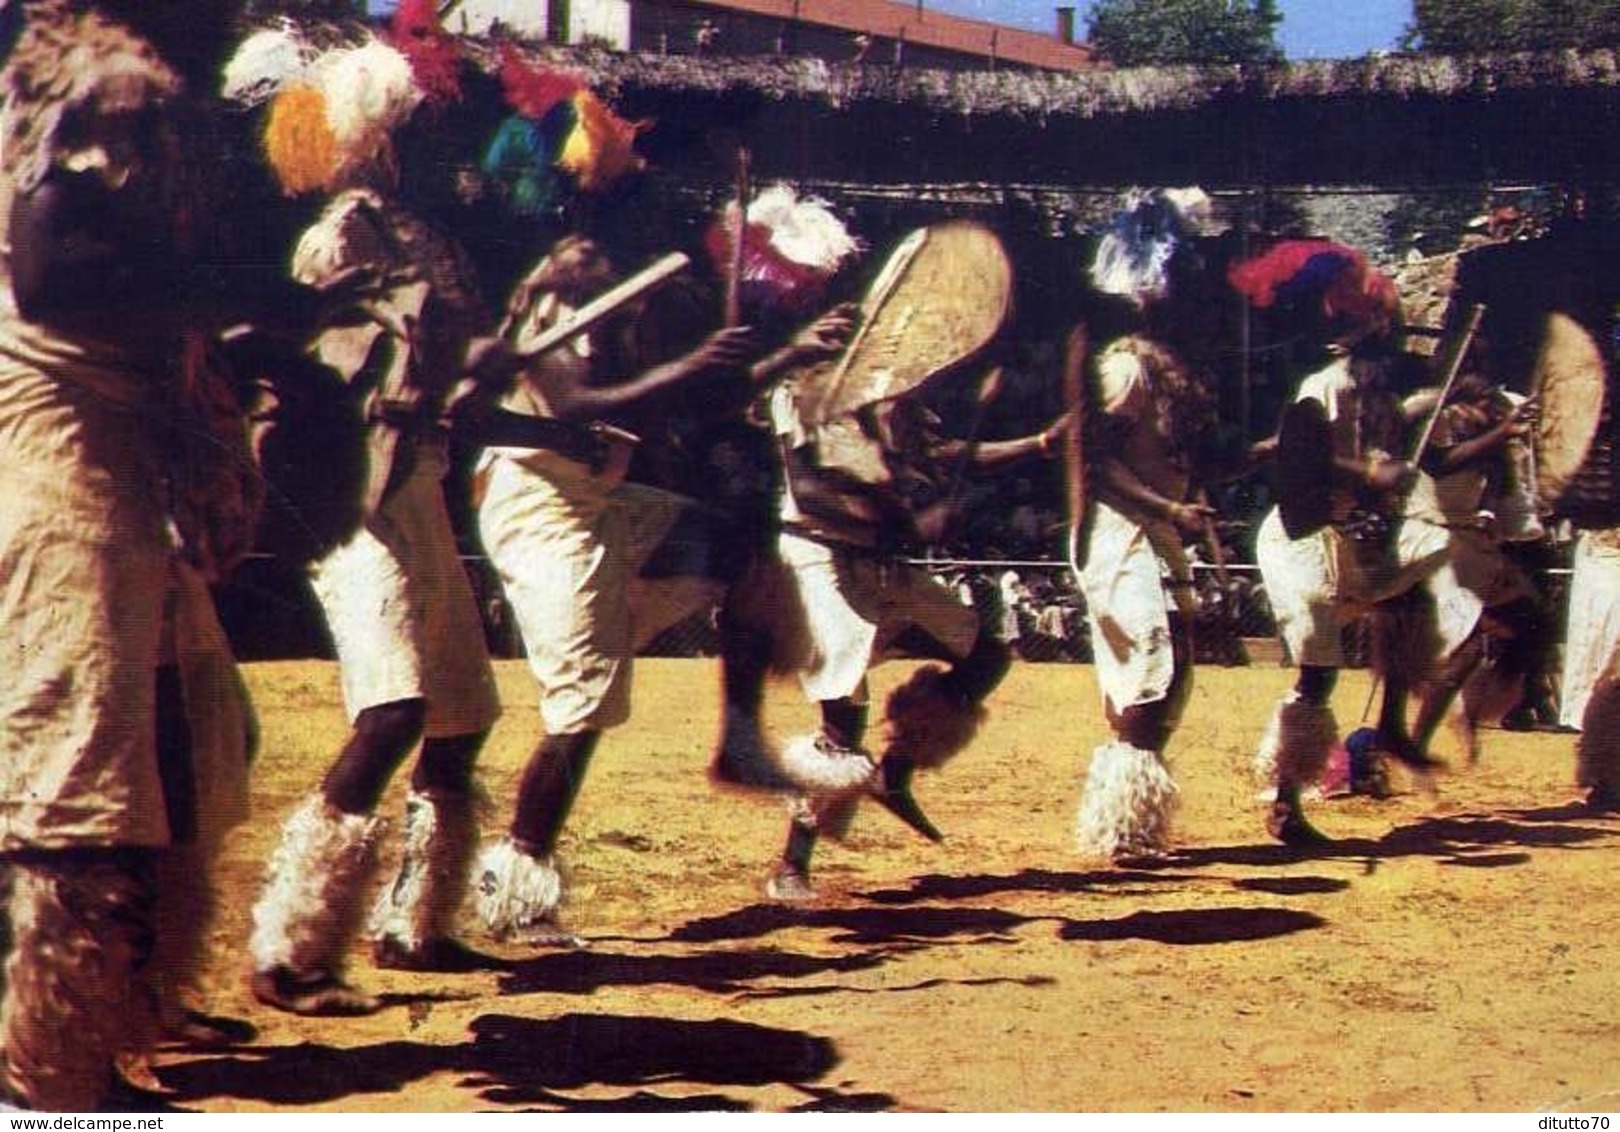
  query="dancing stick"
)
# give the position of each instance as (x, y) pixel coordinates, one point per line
(1453, 366)
(656, 274)
(1212, 543)
(1075, 487)
(735, 272)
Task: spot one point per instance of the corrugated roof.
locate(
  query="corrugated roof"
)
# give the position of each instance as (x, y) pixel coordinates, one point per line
(916, 24)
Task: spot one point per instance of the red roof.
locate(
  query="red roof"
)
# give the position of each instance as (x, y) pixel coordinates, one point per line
(894, 20)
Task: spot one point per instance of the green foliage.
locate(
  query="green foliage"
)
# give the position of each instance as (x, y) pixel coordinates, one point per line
(1471, 27)
(1134, 33)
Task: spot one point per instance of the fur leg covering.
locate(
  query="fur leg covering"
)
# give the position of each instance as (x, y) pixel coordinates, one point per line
(925, 722)
(1126, 804)
(1297, 743)
(745, 756)
(818, 766)
(1597, 751)
(518, 894)
(421, 904)
(82, 932)
(310, 908)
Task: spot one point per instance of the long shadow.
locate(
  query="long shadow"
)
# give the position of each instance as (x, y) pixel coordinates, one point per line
(529, 1060)
(721, 972)
(1465, 833)
(1453, 838)
(1573, 811)
(1487, 860)
(937, 886)
(860, 925)
(308, 1073)
(519, 1056)
(1292, 886)
(543, 1100)
(1196, 927)
(923, 984)
(512, 1060)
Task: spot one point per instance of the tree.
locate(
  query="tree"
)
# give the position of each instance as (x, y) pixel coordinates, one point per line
(1471, 27)
(1136, 33)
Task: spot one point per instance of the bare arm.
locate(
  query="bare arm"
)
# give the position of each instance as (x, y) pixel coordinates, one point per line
(1456, 457)
(86, 257)
(1116, 483)
(572, 398)
(822, 338)
(993, 455)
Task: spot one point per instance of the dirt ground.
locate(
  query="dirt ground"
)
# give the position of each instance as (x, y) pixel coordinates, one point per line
(1452, 951)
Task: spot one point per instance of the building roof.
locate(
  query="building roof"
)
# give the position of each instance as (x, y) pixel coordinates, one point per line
(1395, 120)
(914, 23)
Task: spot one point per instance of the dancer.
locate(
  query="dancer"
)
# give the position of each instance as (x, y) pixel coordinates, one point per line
(123, 448)
(1472, 594)
(1318, 580)
(1127, 551)
(1324, 552)
(849, 599)
(399, 606)
(594, 566)
(1591, 676)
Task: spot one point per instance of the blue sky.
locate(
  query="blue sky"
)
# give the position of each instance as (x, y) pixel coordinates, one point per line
(1327, 29)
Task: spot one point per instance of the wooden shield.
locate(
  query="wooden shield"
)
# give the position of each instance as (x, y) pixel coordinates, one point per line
(1302, 478)
(1569, 376)
(938, 303)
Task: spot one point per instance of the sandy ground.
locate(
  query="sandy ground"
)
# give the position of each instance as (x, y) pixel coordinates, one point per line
(1452, 951)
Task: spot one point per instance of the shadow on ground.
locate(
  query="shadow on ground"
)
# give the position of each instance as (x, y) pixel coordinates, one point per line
(523, 1061)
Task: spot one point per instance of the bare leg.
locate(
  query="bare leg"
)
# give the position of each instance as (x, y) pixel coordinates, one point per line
(1302, 734)
(309, 911)
(1438, 697)
(843, 726)
(551, 782)
(413, 921)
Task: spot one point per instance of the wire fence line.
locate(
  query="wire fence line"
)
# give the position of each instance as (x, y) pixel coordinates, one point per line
(1032, 605)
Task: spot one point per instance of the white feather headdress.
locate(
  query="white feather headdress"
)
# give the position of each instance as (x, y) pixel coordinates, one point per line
(331, 113)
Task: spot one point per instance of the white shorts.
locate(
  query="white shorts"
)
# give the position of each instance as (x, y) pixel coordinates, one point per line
(402, 613)
(1592, 639)
(852, 607)
(1127, 609)
(1472, 575)
(570, 551)
(1318, 584)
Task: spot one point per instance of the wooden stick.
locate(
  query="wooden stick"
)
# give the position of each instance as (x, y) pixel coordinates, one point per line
(1212, 543)
(1452, 367)
(1075, 486)
(656, 275)
(739, 240)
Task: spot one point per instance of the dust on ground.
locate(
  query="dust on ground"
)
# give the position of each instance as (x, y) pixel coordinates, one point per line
(1450, 951)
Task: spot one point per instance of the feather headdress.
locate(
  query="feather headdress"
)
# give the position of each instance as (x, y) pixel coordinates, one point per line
(560, 137)
(265, 62)
(1133, 257)
(1319, 278)
(335, 119)
(792, 248)
(435, 56)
